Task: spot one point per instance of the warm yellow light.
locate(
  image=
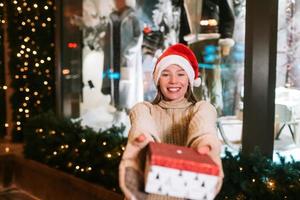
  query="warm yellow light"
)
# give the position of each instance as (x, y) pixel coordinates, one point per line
(54, 153)
(48, 19)
(37, 64)
(108, 155)
(42, 61)
(48, 58)
(204, 22)
(34, 52)
(1, 4)
(52, 132)
(20, 109)
(26, 63)
(66, 71)
(15, 2)
(104, 143)
(26, 111)
(35, 93)
(77, 167)
(26, 98)
(27, 90)
(19, 8)
(7, 150)
(26, 39)
(18, 123)
(33, 29)
(46, 7)
(83, 140)
(45, 83)
(23, 23)
(22, 52)
(4, 87)
(43, 24)
(6, 125)
(212, 22)
(16, 76)
(19, 128)
(35, 5)
(28, 50)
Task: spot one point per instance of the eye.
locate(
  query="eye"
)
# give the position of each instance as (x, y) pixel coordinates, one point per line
(164, 74)
(181, 74)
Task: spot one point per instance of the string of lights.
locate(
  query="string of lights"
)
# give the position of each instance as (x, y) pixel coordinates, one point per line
(31, 40)
(3, 87)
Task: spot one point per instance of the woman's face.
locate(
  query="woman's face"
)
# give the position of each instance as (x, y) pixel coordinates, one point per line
(173, 83)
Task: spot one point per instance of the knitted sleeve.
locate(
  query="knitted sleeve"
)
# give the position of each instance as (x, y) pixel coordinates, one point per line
(202, 128)
(142, 121)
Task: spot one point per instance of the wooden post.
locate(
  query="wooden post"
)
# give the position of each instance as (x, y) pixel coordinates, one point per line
(7, 76)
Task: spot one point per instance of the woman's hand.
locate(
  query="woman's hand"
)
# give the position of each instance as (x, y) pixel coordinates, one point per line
(216, 158)
(130, 174)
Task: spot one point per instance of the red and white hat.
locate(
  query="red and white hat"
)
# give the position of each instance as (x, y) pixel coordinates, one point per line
(181, 55)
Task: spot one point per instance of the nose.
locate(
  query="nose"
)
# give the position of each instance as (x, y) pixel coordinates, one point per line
(173, 79)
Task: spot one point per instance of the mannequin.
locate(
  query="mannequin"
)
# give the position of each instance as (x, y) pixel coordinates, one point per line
(122, 72)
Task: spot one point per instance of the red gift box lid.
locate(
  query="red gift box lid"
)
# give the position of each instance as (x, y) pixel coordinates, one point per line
(182, 158)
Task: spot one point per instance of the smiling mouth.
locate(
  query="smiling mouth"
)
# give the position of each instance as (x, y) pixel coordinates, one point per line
(173, 89)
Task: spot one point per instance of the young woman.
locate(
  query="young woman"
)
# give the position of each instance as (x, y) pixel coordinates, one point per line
(174, 117)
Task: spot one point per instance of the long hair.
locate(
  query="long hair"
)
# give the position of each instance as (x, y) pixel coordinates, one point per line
(189, 95)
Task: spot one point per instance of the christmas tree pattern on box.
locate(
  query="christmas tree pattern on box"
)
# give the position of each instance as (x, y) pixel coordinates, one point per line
(180, 172)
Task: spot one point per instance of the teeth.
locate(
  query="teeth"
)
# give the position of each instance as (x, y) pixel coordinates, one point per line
(174, 89)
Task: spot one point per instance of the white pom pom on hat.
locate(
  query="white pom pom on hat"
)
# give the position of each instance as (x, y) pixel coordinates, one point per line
(178, 54)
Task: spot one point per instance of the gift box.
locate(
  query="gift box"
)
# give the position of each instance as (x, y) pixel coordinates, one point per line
(180, 172)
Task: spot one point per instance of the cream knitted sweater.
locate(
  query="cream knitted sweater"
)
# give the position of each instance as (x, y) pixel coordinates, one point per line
(181, 123)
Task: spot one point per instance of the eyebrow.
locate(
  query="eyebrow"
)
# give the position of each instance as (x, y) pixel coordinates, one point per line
(179, 70)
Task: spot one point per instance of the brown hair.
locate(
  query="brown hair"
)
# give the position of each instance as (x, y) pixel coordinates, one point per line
(189, 95)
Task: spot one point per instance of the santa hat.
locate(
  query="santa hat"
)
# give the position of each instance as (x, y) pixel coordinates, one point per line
(180, 55)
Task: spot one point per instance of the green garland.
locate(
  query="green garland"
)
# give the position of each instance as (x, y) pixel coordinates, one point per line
(31, 40)
(257, 177)
(2, 75)
(67, 146)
